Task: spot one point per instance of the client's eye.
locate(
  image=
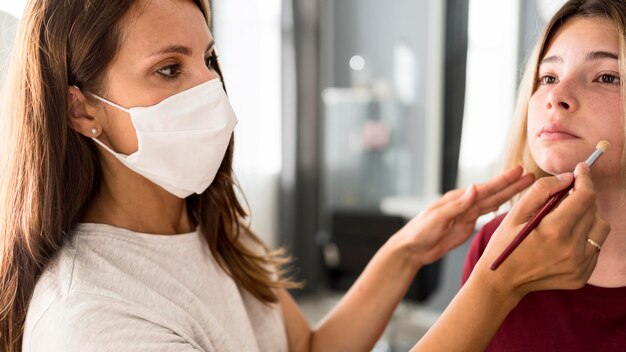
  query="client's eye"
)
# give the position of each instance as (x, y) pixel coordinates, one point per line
(608, 79)
(546, 79)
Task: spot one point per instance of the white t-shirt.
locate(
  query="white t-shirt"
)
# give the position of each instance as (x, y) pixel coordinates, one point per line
(112, 289)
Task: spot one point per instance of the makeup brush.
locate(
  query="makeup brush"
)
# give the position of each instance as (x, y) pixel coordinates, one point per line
(601, 147)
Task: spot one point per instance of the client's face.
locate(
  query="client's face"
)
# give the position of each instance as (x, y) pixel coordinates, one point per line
(578, 101)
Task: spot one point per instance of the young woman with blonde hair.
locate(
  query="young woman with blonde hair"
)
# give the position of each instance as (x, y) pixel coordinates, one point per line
(570, 98)
(119, 225)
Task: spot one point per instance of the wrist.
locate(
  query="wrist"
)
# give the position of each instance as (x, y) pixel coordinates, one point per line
(500, 287)
(404, 250)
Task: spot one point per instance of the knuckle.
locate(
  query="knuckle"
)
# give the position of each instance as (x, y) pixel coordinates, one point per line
(542, 183)
(548, 233)
(577, 275)
(541, 186)
(579, 281)
(604, 226)
(574, 255)
(588, 195)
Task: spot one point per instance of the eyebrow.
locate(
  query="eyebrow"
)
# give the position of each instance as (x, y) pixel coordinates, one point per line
(551, 59)
(180, 49)
(594, 55)
(601, 55)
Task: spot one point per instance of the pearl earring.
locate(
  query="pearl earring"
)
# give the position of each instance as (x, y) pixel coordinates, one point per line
(94, 131)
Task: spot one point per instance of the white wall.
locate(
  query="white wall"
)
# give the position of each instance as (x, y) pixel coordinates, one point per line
(248, 41)
(8, 28)
(13, 7)
(493, 68)
(492, 71)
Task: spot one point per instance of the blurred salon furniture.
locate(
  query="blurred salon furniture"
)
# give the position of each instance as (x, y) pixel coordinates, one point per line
(355, 237)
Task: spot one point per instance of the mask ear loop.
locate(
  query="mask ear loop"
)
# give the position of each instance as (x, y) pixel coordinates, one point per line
(116, 154)
(106, 101)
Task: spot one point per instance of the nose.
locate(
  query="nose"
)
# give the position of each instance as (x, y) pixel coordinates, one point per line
(200, 75)
(206, 74)
(211, 73)
(563, 96)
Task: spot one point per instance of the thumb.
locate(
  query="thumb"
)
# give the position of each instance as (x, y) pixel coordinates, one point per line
(539, 193)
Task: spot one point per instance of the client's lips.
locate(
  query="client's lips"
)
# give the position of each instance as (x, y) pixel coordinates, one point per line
(556, 131)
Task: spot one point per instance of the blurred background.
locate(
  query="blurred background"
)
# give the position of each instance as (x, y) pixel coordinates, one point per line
(354, 115)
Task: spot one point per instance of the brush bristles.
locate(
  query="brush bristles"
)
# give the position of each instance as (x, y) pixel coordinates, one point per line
(603, 145)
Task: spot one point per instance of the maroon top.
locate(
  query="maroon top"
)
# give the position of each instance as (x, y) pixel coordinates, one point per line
(589, 319)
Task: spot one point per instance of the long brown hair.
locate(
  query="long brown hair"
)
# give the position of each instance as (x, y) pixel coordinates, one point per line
(612, 10)
(50, 172)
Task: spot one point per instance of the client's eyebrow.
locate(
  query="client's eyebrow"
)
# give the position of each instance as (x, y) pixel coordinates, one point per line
(591, 56)
(551, 59)
(180, 49)
(601, 55)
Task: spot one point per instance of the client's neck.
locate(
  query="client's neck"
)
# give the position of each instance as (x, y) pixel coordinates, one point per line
(611, 268)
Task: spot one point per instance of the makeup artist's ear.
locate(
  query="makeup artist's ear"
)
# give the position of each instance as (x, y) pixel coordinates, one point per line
(78, 117)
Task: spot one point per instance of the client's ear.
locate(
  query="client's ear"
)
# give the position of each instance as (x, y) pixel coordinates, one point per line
(77, 115)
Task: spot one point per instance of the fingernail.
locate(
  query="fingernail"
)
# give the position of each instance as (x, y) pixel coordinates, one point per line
(467, 192)
(580, 167)
(564, 177)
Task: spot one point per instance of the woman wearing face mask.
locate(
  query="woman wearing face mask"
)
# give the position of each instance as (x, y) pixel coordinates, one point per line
(120, 226)
(570, 98)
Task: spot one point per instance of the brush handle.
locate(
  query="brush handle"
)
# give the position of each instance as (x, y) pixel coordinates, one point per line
(531, 225)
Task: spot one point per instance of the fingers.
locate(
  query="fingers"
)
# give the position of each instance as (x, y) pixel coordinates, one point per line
(499, 182)
(581, 202)
(450, 196)
(582, 226)
(538, 195)
(582, 169)
(582, 197)
(598, 232)
(453, 208)
(495, 200)
(559, 243)
(501, 188)
(494, 192)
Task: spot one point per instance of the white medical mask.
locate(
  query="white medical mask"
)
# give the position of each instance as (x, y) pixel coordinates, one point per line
(182, 139)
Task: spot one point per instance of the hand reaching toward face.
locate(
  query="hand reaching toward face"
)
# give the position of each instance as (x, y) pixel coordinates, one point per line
(557, 254)
(452, 219)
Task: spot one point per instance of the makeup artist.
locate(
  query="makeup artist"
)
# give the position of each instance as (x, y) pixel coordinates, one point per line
(120, 226)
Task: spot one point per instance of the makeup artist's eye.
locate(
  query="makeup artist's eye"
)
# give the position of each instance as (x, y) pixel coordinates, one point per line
(547, 79)
(608, 79)
(211, 61)
(170, 71)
